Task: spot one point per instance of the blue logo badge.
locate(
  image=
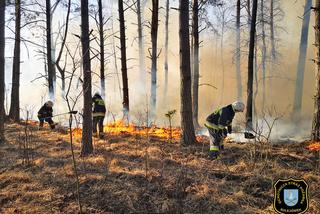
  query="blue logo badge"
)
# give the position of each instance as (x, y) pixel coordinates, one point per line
(291, 197)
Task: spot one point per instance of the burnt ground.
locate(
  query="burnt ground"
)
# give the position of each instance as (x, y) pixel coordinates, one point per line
(129, 174)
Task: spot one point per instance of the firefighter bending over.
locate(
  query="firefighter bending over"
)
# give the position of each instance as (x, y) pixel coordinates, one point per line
(219, 124)
(98, 114)
(45, 114)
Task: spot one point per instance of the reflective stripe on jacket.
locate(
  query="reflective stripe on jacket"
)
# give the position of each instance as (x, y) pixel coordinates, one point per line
(99, 108)
(220, 118)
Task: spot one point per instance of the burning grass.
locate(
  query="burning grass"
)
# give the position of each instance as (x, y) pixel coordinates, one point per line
(179, 179)
(314, 146)
(119, 127)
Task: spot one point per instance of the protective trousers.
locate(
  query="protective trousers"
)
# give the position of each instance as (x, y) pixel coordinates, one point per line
(216, 141)
(97, 121)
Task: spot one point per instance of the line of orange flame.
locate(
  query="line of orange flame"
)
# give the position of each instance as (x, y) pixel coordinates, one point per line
(119, 128)
(314, 147)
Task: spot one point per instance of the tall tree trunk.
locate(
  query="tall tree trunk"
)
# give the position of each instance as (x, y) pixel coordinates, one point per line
(264, 53)
(196, 75)
(272, 36)
(238, 52)
(154, 56)
(15, 95)
(302, 61)
(2, 69)
(249, 13)
(101, 37)
(222, 60)
(188, 135)
(50, 62)
(57, 62)
(142, 66)
(249, 115)
(166, 51)
(86, 146)
(316, 117)
(124, 69)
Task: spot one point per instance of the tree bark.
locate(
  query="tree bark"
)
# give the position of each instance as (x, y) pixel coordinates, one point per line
(316, 117)
(196, 75)
(86, 146)
(154, 56)
(50, 62)
(249, 115)
(188, 135)
(2, 69)
(101, 38)
(142, 66)
(302, 61)
(166, 51)
(238, 52)
(14, 113)
(124, 69)
(272, 36)
(264, 53)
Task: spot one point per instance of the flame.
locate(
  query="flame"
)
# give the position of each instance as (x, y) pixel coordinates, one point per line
(119, 127)
(77, 132)
(314, 147)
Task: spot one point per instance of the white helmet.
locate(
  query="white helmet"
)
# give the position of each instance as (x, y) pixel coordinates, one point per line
(238, 106)
(49, 103)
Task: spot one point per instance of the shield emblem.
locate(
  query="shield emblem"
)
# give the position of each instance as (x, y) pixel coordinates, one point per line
(291, 197)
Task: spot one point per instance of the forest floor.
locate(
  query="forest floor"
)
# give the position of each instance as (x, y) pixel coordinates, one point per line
(129, 174)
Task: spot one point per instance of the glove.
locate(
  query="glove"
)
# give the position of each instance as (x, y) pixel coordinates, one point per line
(229, 129)
(225, 132)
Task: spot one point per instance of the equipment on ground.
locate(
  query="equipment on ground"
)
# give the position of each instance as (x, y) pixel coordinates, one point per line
(249, 135)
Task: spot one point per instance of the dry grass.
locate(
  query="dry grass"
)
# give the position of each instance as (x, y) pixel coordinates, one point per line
(179, 179)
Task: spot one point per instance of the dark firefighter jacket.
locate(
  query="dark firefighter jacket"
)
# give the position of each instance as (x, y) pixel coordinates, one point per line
(99, 108)
(45, 111)
(221, 118)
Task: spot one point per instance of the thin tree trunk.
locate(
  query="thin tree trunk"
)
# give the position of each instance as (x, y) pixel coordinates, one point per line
(166, 51)
(124, 69)
(302, 61)
(142, 67)
(101, 37)
(249, 115)
(2, 69)
(222, 62)
(86, 147)
(115, 60)
(238, 52)
(316, 117)
(264, 52)
(196, 75)
(188, 135)
(154, 56)
(256, 78)
(249, 13)
(272, 36)
(57, 62)
(14, 113)
(50, 64)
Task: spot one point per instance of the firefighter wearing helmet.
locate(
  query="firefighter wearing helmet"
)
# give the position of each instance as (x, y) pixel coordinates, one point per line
(98, 114)
(45, 114)
(219, 124)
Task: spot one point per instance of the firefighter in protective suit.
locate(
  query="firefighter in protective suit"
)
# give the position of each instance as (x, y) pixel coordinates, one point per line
(45, 114)
(98, 114)
(219, 124)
